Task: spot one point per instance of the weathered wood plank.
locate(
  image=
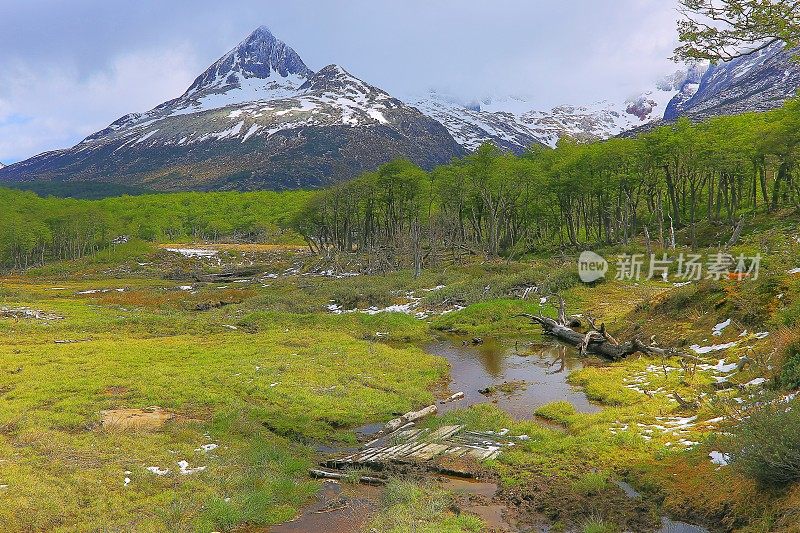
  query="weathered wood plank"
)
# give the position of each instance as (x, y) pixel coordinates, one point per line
(444, 432)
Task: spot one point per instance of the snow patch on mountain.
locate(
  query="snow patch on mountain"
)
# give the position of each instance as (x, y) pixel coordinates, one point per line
(516, 123)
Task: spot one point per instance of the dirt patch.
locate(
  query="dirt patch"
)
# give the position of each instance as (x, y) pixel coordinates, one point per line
(149, 418)
(552, 499)
(115, 390)
(477, 497)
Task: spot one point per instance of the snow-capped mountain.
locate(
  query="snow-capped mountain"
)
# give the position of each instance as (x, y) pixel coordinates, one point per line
(758, 82)
(257, 118)
(260, 118)
(1, 165)
(515, 123)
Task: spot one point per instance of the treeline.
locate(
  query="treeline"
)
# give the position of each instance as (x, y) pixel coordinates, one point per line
(489, 202)
(600, 193)
(35, 230)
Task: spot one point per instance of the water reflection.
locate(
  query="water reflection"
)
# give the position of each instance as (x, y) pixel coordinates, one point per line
(491, 354)
(543, 367)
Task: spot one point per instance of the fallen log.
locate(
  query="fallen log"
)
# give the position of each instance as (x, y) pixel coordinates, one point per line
(327, 474)
(392, 425)
(593, 342)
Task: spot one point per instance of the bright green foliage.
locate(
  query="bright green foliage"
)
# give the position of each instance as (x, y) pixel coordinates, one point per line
(35, 230)
(421, 509)
(604, 193)
(721, 30)
(591, 483)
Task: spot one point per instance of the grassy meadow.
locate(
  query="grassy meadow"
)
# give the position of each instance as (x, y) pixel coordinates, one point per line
(254, 373)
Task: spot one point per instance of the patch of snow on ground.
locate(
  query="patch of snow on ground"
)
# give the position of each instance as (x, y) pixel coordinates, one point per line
(193, 252)
(146, 136)
(719, 458)
(251, 131)
(377, 115)
(230, 132)
(184, 468)
(717, 330)
(713, 348)
(721, 366)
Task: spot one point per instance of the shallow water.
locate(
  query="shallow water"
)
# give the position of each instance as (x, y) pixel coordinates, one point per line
(543, 367)
(668, 525)
(337, 509)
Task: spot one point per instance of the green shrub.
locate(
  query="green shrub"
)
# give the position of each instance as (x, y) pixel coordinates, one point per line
(400, 491)
(790, 373)
(766, 445)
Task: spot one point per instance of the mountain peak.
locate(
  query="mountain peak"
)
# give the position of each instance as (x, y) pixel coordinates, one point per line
(262, 32)
(261, 55)
(335, 79)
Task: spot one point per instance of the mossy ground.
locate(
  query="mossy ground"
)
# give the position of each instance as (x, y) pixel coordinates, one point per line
(267, 370)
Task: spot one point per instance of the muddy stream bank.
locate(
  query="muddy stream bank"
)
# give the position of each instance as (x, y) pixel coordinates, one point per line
(518, 376)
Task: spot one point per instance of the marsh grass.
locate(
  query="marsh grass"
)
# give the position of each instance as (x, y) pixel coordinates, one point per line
(293, 374)
(413, 507)
(262, 393)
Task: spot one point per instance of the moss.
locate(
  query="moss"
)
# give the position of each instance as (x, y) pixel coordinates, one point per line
(489, 318)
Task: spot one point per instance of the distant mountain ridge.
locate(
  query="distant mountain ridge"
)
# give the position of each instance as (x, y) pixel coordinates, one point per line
(260, 118)
(514, 123)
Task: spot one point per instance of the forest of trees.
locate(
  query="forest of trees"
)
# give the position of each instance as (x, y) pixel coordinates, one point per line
(489, 202)
(606, 192)
(35, 230)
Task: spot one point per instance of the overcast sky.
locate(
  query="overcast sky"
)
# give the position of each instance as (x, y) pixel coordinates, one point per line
(68, 69)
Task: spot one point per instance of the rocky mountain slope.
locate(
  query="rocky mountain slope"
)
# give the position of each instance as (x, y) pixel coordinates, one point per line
(258, 118)
(758, 82)
(516, 123)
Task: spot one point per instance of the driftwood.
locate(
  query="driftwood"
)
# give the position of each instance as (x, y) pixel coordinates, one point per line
(392, 425)
(596, 341)
(327, 474)
(453, 398)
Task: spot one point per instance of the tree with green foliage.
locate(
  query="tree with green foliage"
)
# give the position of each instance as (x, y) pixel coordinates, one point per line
(721, 30)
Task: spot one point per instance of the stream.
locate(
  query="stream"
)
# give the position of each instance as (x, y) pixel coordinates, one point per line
(537, 371)
(525, 374)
